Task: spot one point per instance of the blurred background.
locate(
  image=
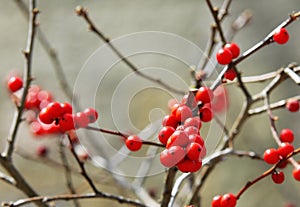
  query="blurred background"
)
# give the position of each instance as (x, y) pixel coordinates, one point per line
(191, 20)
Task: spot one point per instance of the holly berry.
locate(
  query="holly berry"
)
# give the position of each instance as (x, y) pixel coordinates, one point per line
(182, 113)
(66, 123)
(14, 83)
(277, 177)
(188, 165)
(292, 105)
(66, 108)
(197, 138)
(285, 149)
(170, 157)
(228, 200)
(54, 110)
(216, 201)
(92, 114)
(234, 49)
(271, 156)
(296, 173)
(193, 121)
(191, 130)
(178, 138)
(170, 120)
(230, 74)
(224, 56)
(206, 114)
(165, 133)
(204, 94)
(133, 143)
(194, 151)
(287, 135)
(44, 116)
(281, 36)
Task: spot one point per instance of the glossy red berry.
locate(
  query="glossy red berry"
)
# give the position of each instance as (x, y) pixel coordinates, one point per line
(193, 121)
(285, 149)
(216, 201)
(206, 114)
(230, 74)
(287, 135)
(196, 138)
(170, 157)
(234, 49)
(81, 120)
(292, 105)
(281, 36)
(178, 138)
(14, 83)
(182, 113)
(224, 56)
(133, 143)
(204, 94)
(54, 110)
(66, 123)
(165, 133)
(296, 173)
(194, 151)
(44, 116)
(277, 177)
(228, 200)
(66, 108)
(271, 156)
(170, 120)
(174, 108)
(92, 114)
(187, 165)
(191, 130)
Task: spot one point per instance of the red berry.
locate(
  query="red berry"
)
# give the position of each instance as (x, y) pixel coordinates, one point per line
(197, 138)
(188, 165)
(234, 49)
(174, 108)
(191, 130)
(92, 114)
(206, 114)
(45, 117)
(42, 151)
(228, 200)
(36, 128)
(15, 83)
(193, 121)
(133, 143)
(194, 151)
(285, 149)
(283, 164)
(224, 56)
(203, 152)
(178, 138)
(204, 94)
(292, 105)
(66, 123)
(81, 120)
(170, 157)
(296, 173)
(165, 133)
(277, 177)
(271, 156)
(183, 112)
(230, 74)
(216, 201)
(66, 108)
(287, 135)
(170, 120)
(54, 110)
(281, 36)
(32, 101)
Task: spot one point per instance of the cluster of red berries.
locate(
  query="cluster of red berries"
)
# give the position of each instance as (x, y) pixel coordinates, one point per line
(273, 156)
(226, 200)
(225, 55)
(181, 131)
(61, 114)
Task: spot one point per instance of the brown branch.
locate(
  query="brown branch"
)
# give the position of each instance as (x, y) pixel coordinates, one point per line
(168, 186)
(67, 197)
(84, 13)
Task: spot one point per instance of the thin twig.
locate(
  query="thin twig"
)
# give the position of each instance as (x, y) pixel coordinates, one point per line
(168, 186)
(67, 197)
(84, 13)
(68, 172)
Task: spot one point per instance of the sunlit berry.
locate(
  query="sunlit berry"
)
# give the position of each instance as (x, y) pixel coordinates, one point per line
(224, 56)
(133, 143)
(292, 105)
(287, 135)
(271, 156)
(204, 94)
(234, 49)
(165, 133)
(14, 83)
(281, 36)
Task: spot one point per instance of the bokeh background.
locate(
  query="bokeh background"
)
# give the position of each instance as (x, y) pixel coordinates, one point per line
(191, 20)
